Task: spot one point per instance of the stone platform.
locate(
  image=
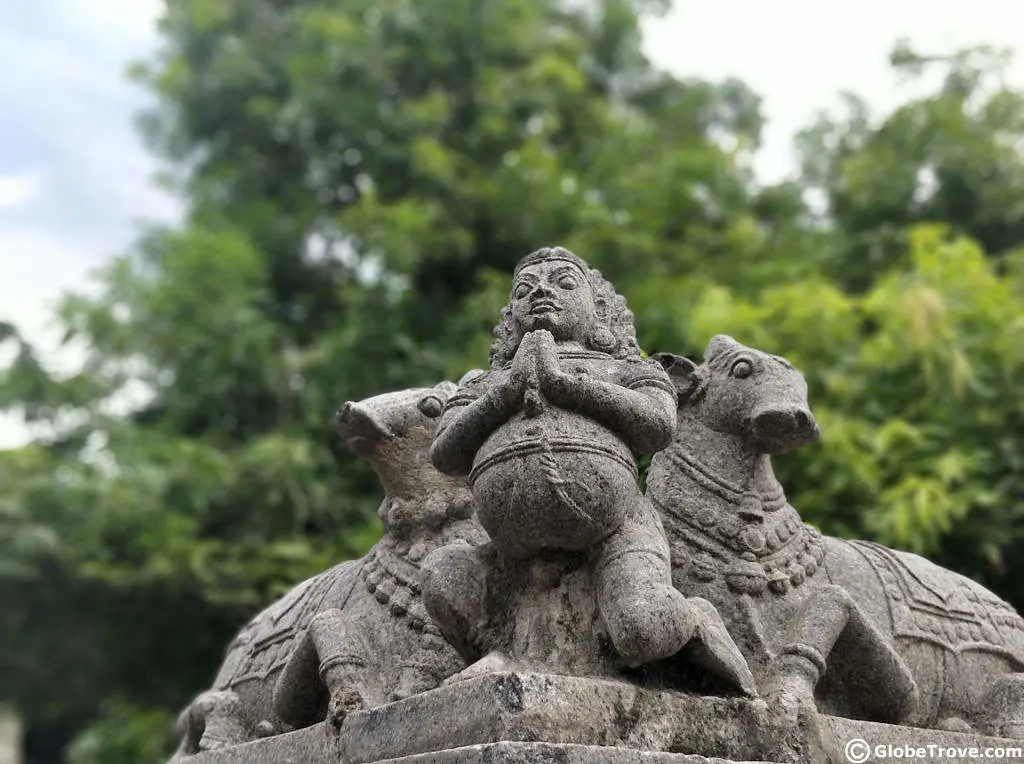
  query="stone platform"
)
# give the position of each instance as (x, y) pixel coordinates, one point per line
(527, 718)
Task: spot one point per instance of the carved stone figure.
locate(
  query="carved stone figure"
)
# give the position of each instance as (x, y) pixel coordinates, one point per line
(550, 439)
(554, 611)
(851, 627)
(357, 634)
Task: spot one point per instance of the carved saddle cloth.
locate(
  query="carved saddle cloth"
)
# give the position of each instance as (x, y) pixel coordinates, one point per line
(264, 645)
(930, 604)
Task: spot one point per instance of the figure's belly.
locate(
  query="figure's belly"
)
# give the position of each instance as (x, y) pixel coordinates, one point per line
(556, 481)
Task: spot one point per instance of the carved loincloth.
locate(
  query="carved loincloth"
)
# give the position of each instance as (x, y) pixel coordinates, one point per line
(930, 604)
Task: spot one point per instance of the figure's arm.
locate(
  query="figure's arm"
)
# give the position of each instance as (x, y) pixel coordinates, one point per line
(645, 417)
(466, 423)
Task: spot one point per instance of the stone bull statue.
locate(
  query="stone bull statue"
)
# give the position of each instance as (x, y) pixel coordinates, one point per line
(850, 627)
(384, 645)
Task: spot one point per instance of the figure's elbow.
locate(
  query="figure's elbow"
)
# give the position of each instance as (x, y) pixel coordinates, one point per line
(657, 431)
(447, 458)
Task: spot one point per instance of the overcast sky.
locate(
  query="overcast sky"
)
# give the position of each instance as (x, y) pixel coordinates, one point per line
(74, 175)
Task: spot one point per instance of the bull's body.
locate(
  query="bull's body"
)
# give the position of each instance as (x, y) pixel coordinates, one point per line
(272, 679)
(856, 628)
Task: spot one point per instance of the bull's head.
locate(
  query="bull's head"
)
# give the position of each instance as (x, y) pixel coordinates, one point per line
(745, 392)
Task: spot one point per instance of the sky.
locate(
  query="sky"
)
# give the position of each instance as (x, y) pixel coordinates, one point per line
(75, 177)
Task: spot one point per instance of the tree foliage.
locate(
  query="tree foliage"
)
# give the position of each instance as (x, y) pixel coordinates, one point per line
(359, 179)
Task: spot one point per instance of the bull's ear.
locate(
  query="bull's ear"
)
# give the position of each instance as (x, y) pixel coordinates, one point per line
(470, 375)
(720, 343)
(446, 387)
(680, 370)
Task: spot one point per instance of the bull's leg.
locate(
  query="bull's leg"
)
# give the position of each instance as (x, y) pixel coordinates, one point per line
(828, 614)
(213, 720)
(328, 663)
(646, 617)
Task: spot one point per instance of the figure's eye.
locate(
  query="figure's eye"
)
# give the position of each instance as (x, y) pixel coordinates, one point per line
(742, 369)
(431, 406)
(522, 290)
(567, 282)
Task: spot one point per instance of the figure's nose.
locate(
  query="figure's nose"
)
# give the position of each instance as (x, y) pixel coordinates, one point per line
(542, 289)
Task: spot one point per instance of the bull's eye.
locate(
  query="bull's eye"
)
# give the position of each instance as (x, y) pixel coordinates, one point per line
(430, 406)
(742, 369)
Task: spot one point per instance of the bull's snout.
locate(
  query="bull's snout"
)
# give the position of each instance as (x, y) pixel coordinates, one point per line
(358, 429)
(782, 429)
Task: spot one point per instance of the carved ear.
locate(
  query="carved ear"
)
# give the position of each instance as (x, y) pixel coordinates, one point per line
(470, 375)
(680, 370)
(446, 387)
(719, 344)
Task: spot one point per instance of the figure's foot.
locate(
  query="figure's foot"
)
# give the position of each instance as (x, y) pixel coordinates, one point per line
(649, 626)
(715, 649)
(492, 663)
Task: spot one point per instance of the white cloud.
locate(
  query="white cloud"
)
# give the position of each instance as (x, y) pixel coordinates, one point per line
(124, 24)
(16, 190)
(70, 96)
(799, 54)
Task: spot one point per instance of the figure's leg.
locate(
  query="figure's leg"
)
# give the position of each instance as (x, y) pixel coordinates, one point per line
(454, 590)
(646, 617)
(828, 615)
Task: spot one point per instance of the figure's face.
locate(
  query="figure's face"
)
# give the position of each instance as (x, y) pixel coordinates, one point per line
(556, 296)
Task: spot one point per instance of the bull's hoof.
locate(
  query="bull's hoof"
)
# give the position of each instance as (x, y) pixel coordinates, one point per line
(954, 724)
(790, 690)
(343, 702)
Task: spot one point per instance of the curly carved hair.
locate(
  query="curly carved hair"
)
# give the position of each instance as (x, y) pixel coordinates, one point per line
(613, 333)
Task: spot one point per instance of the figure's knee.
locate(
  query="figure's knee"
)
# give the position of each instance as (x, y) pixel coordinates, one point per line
(638, 548)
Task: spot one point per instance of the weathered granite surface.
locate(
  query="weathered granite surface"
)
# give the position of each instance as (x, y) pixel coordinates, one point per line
(530, 718)
(553, 753)
(528, 603)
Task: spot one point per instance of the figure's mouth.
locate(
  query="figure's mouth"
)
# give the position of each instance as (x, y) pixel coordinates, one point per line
(544, 306)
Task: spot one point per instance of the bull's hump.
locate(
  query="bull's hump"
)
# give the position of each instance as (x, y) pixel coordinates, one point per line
(931, 604)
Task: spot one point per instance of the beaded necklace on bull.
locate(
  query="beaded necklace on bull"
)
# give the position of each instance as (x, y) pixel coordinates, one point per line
(744, 556)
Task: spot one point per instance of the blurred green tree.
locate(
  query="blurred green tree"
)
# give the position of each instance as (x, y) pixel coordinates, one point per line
(359, 179)
(952, 154)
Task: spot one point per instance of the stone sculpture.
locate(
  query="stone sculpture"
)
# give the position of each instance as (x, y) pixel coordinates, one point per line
(529, 603)
(873, 633)
(365, 617)
(550, 439)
